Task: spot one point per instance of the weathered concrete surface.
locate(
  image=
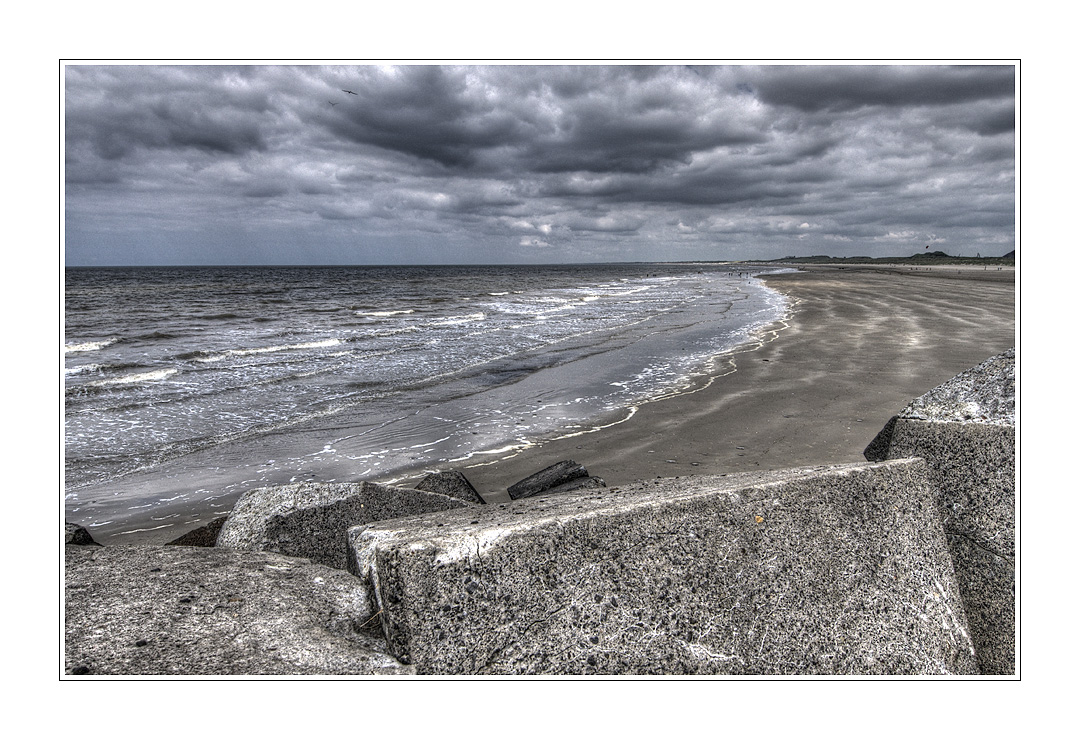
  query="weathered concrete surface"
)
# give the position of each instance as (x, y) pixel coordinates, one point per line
(199, 611)
(310, 520)
(835, 570)
(450, 483)
(550, 477)
(965, 431)
(986, 394)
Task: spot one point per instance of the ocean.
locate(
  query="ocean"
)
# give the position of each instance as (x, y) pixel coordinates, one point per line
(185, 387)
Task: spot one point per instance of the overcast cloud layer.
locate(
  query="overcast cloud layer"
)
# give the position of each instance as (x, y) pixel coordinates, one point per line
(494, 164)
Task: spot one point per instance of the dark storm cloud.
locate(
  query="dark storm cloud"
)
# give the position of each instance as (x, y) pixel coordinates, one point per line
(427, 112)
(839, 88)
(122, 110)
(497, 162)
(541, 119)
(634, 120)
(985, 117)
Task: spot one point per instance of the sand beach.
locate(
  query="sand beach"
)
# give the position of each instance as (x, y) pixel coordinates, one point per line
(859, 344)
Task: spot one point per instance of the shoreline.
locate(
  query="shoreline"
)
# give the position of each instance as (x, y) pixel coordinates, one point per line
(455, 419)
(816, 390)
(857, 345)
(715, 368)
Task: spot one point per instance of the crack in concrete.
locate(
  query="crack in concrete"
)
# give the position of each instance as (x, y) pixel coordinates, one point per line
(979, 544)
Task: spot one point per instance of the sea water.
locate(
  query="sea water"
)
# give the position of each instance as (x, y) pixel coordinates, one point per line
(183, 387)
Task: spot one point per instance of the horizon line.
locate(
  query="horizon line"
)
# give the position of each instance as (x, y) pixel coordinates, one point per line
(423, 264)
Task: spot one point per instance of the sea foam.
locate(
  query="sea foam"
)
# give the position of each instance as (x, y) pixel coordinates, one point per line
(153, 375)
(89, 346)
(275, 348)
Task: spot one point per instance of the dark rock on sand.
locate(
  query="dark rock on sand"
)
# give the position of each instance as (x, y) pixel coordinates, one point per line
(204, 536)
(577, 484)
(550, 477)
(450, 483)
(77, 535)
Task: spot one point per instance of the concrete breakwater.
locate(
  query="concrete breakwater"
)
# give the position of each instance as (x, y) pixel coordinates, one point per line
(901, 565)
(965, 430)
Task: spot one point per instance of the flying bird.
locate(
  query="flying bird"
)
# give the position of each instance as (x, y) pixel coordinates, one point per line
(331, 102)
(348, 91)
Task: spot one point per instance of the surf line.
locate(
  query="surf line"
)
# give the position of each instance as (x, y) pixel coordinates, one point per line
(519, 448)
(766, 335)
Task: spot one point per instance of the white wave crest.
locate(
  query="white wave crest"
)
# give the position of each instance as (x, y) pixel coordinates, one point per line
(557, 309)
(275, 348)
(137, 377)
(384, 314)
(455, 320)
(395, 332)
(89, 346)
(631, 291)
(92, 367)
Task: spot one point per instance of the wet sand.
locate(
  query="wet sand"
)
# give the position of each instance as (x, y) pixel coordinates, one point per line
(858, 345)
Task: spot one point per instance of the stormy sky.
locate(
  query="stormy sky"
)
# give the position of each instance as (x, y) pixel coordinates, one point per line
(258, 164)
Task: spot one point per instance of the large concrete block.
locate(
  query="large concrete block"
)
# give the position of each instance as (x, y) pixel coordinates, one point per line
(310, 520)
(549, 479)
(835, 570)
(451, 483)
(200, 610)
(975, 467)
(965, 431)
(985, 394)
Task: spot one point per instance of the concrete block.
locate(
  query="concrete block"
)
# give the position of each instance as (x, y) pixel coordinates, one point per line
(965, 431)
(973, 469)
(451, 483)
(310, 520)
(985, 394)
(550, 477)
(832, 570)
(172, 610)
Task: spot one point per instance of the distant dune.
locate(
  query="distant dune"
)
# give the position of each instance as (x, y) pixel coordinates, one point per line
(922, 258)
